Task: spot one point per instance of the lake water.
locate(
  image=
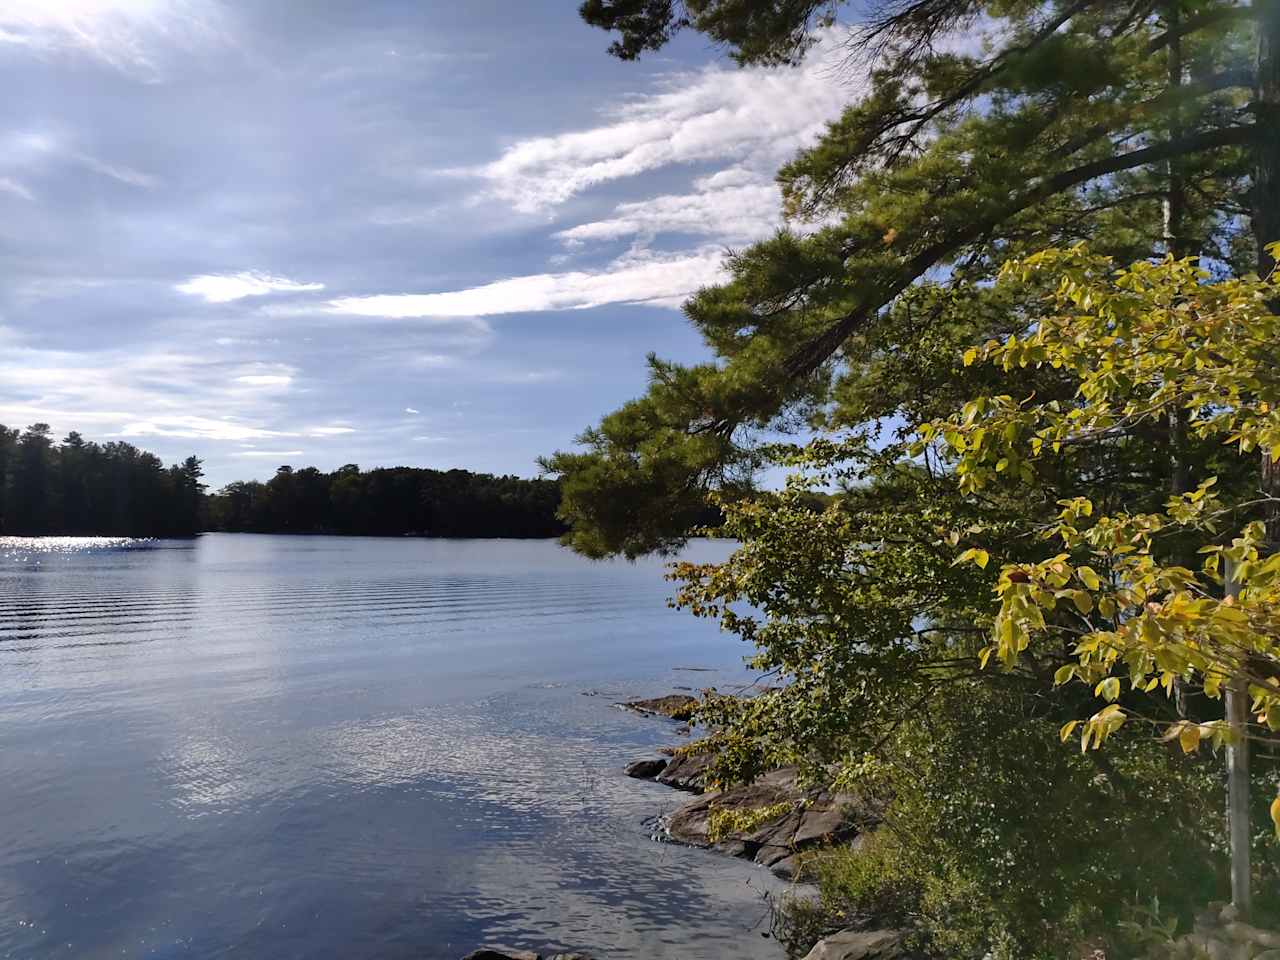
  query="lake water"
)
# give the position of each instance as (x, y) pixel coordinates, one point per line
(273, 747)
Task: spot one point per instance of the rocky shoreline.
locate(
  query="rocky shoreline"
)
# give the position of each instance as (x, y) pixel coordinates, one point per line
(806, 819)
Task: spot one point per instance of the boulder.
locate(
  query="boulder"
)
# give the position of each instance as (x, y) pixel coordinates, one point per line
(645, 769)
(858, 945)
(676, 706)
(686, 771)
(502, 953)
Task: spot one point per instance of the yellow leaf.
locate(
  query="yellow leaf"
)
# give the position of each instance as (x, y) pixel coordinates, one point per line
(981, 558)
(1108, 689)
(1088, 577)
(970, 356)
(1275, 815)
(1083, 601)
(1189, 738)
(1067, 728)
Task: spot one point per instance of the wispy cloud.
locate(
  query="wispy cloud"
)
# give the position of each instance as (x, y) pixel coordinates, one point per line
(117, 171)
(736, 205)
(412, 411)
(278, 454)
(197, 428)
(651, 279)
(225, 287)
(35, 154)
(10, 185)
(718, 113)
(334, 431)
(136, 36)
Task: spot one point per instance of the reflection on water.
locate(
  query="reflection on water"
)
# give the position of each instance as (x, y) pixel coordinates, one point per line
(322, 747)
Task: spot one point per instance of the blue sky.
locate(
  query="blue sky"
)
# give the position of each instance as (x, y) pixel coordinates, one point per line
(373, 231)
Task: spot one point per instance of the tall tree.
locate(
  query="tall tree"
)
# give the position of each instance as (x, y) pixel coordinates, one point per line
(954, 160)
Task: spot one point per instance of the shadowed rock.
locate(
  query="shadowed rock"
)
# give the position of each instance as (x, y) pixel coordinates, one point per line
(686, 771)
(645, 769)
(502, 953)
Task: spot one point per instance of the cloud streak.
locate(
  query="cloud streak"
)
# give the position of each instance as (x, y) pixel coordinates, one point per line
(226, 287)
(653, 280)
(717, 113)
(134, 36)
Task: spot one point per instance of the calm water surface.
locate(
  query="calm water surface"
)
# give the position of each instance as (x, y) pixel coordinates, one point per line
(269, 747)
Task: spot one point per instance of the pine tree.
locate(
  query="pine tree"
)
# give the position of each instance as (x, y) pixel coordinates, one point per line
(1073, 125)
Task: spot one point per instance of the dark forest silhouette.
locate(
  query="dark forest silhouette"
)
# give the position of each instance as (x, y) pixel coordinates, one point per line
(81, 488)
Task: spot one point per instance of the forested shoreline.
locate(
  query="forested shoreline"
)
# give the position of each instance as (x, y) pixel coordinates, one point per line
(393, 501)
(77, 487)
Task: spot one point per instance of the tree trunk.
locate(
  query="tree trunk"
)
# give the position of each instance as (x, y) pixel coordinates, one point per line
(1238, 776)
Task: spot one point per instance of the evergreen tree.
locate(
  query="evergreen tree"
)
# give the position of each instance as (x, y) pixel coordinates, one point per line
(1084, 120)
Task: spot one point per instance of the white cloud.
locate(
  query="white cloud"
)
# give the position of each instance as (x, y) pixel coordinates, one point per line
(758, 114)
(35, 153)
(197, 428)
(225, 287)
(265, 380)
(735, 206)
(116, 171)
(131, 35)
(9, 185)
(411, 410)
(336, 431)
(269, 453)
(650, 279)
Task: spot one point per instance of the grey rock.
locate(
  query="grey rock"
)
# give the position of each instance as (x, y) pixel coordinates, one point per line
(676, 706)
(858, 945)
(786, 868)
(768, 855)
(1244, 933)
(645, 769)
(502, 953)
(815, 818)
(686, 771)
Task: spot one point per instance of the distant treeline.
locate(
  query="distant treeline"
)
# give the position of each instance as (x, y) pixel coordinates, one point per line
(395, 501)
(80, 488)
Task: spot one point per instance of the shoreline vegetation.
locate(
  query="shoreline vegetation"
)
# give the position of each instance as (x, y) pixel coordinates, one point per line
(1022, 317)
(82, 488)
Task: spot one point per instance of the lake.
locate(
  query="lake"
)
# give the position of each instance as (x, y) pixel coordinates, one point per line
(276, 747)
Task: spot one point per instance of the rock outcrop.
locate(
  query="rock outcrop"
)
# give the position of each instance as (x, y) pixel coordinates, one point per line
(645, 769)
(1219, 932)
(810, 819)
(675, 706)
(686, 771)
(858, 945)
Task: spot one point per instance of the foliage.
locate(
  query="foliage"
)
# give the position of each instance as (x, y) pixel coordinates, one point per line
(1071, 124)
(998, 842)
(81, 488)
(1146, 342)
(725, 821)
(388, 502)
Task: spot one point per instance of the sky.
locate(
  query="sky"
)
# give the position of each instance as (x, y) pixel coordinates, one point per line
(383, 232)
